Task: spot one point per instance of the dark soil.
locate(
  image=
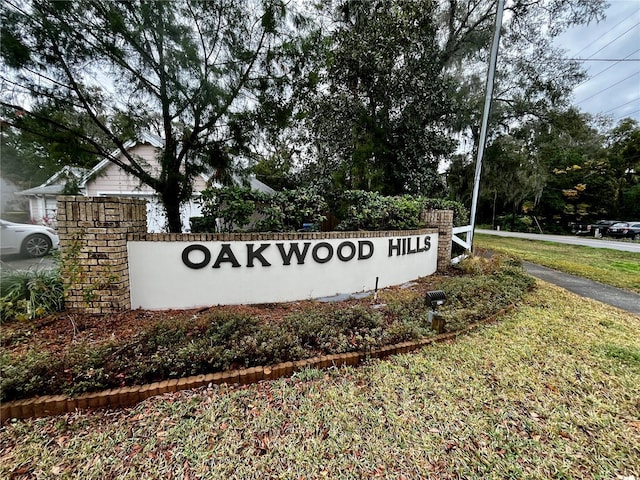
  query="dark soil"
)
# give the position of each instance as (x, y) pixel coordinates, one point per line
(55, 333)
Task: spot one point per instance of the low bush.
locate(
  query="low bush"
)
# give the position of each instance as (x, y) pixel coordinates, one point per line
(361, 210)
(241, 209)
(30, 294)
(185, 345)
(487, 286)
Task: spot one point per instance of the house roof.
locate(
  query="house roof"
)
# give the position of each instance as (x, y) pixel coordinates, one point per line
(153, 140)
(257, 185)
(56, 183)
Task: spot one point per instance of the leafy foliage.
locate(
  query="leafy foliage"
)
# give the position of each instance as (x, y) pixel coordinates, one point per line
(378, 118)
(361, 210)
(182, 70)
(30, 294)
(562, 168)
(240, 208)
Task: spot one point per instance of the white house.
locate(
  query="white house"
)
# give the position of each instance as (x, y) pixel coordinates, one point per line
(107, 179)
(42, 199)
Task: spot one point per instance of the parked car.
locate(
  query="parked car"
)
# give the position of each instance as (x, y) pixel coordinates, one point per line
(597, 229)
(625, 230)
(26, 239)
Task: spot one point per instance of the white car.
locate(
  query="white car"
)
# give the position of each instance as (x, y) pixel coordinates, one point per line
(31, 240)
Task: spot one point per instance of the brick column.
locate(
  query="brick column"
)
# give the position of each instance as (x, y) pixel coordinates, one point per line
(443, 221)
(93, 243)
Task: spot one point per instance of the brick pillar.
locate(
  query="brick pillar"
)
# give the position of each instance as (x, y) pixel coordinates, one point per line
(93, 243)
(443, 221)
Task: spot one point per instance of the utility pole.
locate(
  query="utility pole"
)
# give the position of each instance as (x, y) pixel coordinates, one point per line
(485, 118)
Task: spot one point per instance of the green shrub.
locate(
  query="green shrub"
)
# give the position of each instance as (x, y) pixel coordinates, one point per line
(361, 210)
(33, 373)
(277, 342)
(300, 206)
(519, 223)
(30, 294)
(234, 205)
(90, 367)
(241, 208)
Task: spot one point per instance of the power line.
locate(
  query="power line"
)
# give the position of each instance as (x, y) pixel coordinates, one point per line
(610, 86)
(628, 114)
(622, 105)
(606, 33)
(618, 37)
(602, 71)
(617, 60)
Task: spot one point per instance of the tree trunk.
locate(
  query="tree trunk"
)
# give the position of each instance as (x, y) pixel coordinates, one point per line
(171, 200)
(172, 210)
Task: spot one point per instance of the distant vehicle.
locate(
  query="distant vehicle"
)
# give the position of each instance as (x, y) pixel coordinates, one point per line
(26, 239)
(597, 229)
(625, 230)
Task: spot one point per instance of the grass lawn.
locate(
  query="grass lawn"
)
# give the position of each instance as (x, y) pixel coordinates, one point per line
(549, 391)
(619, 269)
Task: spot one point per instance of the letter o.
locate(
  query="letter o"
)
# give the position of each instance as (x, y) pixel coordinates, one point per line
(317, 258)
(200, 248)
(346, 258)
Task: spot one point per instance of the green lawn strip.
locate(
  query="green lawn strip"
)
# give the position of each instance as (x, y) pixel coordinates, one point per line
(550, 391)
(612, 267)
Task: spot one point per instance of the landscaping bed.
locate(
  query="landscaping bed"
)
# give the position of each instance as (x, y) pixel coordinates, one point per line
(547, 391)
(71, 354)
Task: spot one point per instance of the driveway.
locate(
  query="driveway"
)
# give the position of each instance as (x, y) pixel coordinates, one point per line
(570, 240)
(18, 262)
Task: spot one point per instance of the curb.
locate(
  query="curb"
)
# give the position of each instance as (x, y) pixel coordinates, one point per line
(51, 405)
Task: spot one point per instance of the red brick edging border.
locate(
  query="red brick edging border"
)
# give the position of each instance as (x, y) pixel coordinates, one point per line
(128, 396)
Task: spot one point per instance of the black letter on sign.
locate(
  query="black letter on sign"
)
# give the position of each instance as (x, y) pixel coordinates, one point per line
(427, 243)
(293, 249)
(361, 254)
(318, 246)
(352, 253)
(200, 248)
(251, 255)
(226, 255)
(395, 248)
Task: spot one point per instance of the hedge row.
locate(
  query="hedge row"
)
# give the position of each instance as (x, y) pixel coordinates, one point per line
(235, 208)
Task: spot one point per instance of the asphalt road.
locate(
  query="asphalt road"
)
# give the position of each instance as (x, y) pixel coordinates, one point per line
(18, 262)
(570, 240)
(616, 297)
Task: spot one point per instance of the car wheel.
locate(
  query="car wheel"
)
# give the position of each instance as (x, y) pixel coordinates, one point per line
(636, 236)
(36, 245)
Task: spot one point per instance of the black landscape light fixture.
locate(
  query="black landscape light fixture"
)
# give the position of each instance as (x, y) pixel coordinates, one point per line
(436, 298)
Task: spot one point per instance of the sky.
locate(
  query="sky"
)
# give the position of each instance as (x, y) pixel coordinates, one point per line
(613, 86)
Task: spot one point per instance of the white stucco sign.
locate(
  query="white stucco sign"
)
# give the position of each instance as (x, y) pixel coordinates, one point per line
(195, 274)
